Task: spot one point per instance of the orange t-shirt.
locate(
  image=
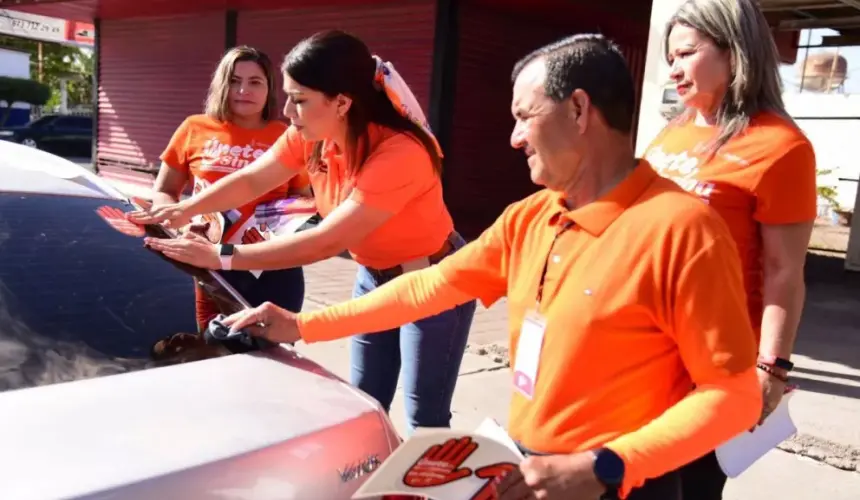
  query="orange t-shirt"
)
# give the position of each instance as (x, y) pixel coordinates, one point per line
(398, 177)
(642, 296)
(209, 150)
(766, 175)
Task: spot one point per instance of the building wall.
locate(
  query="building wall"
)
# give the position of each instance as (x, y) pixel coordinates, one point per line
(483, 173)
(401, 33)
(153, 73)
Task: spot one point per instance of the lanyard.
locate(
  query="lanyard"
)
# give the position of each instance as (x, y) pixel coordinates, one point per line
(567, 224)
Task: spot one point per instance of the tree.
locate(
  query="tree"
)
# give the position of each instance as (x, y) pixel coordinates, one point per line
(14, 90)
(58, 61)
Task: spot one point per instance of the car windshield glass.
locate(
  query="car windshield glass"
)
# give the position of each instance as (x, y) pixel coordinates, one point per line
(80, 299)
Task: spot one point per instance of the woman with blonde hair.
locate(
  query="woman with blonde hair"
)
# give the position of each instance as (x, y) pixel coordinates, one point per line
(736, 147)
(239, 125)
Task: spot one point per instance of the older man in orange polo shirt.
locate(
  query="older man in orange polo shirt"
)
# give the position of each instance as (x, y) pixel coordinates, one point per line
(623, 292)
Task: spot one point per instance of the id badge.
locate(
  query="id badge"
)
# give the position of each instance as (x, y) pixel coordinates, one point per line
(528, 353)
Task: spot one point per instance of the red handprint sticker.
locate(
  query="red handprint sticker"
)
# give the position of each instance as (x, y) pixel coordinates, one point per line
(441, 464)
(494, 474)
(116, 219)
(252, 235)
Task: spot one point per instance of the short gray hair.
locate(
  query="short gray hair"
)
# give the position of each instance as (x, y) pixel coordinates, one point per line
(740, 27)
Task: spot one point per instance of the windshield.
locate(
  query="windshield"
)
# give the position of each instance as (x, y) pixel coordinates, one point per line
(80, 299)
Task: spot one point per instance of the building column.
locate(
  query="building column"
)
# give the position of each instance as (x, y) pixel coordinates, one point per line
(231, 21)
(443, 83)
(852, 256)
(651, 121)
(97, 62)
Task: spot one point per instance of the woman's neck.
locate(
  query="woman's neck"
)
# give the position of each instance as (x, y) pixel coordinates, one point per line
(705, 119)
(249, 122)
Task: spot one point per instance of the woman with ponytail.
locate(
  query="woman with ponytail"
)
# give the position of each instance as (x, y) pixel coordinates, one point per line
(374, 166)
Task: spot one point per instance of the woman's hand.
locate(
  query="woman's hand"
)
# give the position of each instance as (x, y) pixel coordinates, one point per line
(267, 321)
(191, 249)
(173, 215)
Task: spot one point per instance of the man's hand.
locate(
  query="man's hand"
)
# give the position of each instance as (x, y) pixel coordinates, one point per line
(562, 477)
(772, 390)
(267, 321)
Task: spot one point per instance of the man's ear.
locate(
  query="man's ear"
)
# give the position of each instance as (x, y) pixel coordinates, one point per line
(580, 105)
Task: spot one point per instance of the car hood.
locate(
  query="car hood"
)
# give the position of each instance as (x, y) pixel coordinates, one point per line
(78, 438)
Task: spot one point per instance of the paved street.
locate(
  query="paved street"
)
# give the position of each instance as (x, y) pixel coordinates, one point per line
(825, 409)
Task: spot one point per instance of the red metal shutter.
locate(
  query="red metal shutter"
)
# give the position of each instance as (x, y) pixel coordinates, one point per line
(484, 173)
(153, 73)
(400, 33)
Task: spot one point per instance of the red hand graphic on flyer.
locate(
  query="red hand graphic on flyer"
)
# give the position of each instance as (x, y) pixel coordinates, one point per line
(494, 473)
(440, 464)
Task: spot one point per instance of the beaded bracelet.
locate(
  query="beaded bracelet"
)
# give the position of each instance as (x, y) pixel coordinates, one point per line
(770, 371)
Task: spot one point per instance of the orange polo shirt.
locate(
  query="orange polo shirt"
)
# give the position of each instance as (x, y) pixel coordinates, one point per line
(208, 150)
(642, 296)
(398, 177)
(766, 175)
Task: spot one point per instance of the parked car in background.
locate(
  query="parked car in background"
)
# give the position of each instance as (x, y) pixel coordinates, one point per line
(108, 391)
(59, 134)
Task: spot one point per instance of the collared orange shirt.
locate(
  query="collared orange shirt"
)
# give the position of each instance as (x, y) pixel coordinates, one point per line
(642, 297)
(398, 177)
(766, 175)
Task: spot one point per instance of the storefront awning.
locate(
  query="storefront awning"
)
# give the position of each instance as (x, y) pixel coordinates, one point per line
(840, 15)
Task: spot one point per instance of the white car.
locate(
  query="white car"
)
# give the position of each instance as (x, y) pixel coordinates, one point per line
(107, 390)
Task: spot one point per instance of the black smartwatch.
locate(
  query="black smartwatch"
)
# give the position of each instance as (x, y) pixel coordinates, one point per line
(609, 470)
(225, 254)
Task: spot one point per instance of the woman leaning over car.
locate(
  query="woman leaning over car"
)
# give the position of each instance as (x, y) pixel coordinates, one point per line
(375, 171)
(736, 147)
(239, 125)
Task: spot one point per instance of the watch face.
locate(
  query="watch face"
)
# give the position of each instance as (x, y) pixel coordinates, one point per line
(609, 467)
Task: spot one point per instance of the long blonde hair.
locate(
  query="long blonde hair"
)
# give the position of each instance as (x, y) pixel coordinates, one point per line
(740, 27)
(217, 101)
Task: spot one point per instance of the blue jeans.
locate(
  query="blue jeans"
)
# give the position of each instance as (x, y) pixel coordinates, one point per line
(427, 352)
(282, 287)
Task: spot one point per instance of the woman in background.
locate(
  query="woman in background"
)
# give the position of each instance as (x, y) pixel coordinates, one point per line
(239, 125)
(737, 148)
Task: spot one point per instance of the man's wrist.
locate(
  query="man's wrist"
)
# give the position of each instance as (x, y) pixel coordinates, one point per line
(609, 470)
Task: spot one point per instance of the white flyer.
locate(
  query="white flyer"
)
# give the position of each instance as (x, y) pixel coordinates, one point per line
(444, 464)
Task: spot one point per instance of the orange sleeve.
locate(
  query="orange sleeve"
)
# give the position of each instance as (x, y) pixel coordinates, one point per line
(290, 150)
(709, 320)
(786, 192)
(407, 298)
(479, 269)
(176, 153)
(395, 174)
(300, 180)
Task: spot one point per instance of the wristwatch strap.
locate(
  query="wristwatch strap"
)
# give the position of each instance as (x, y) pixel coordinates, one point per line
(776, 361)
(225, 255)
